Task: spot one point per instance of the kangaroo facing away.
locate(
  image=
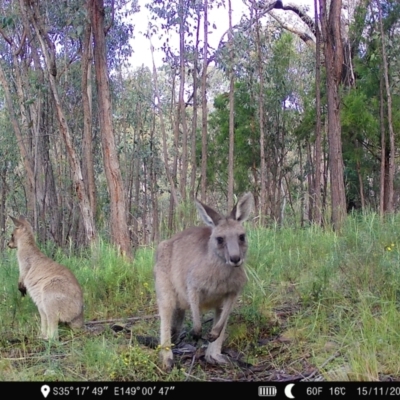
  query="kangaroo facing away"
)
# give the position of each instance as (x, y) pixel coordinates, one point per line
(201, 268)
(53, 287)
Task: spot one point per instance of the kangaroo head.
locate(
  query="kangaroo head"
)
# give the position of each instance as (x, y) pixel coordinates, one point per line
(228, 236)
(22, 232)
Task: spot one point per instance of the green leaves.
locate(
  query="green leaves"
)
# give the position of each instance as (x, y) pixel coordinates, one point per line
(7, 22)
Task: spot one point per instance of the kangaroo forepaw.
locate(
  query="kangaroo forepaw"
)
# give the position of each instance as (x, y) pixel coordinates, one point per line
(168, 364)
(167, 360)
(217, 359)
(43, 336)
(196, 334)
(22, 289)
(211, 337)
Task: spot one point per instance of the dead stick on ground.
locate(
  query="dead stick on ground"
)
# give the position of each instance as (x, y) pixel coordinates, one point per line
(108, 321)
(332, 357)
(190, 368)
(193, 377)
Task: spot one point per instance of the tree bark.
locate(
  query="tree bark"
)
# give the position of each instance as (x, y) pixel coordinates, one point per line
(334, 63)
(382, 202)
(195, 109)
(317, 214)
(26, 159)
(163, 131)
(48, 49)
(182, 106)
(204, 107)
(392, 147)
(118, 219)
(261, 120)
(231, 149)
(88, 165)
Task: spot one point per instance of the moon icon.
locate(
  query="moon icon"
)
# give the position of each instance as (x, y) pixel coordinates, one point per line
(288, 391)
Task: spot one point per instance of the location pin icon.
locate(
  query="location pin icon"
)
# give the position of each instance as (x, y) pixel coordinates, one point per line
(45, 389)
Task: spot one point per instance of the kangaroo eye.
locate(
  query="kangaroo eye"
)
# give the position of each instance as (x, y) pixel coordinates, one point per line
(242, 237)
(220, 240)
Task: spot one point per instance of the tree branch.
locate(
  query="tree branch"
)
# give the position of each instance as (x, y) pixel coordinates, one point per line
(304, 36)
(107, 28)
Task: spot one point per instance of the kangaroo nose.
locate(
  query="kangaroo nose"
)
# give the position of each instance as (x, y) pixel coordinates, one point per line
(235, 260)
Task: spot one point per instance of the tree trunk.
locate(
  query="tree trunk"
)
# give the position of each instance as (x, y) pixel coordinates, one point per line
(118, 219)
(182, 106)
(163, 131)
(154, 191)
(48, 49)
(310, 183)
(87, 145)
(195, 107)
(392, 151)
(26, 159)
(231, 112)
(382, 200)
(3, 196)
(261, 120)
(40, 128)
(204, 107)
(334, 63)
(318, 142)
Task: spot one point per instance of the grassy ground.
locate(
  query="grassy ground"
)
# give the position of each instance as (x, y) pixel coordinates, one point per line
(318, 306)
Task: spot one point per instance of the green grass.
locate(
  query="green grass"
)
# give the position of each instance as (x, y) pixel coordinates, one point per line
(316, 303)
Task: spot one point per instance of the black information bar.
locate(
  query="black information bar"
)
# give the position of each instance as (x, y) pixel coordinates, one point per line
(202, 390)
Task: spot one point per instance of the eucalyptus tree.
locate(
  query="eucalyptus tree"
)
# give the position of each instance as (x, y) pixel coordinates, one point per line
(48, 48)
(184, 27)
(139, 149)
(204, 106)
(367, 113)
(43, 44)
(231, 76)
(254, 13)
(333, 52)
(385, 79)
(118, 212)
(177, 15)
(31, 126)
(11, 174)
(266, 113)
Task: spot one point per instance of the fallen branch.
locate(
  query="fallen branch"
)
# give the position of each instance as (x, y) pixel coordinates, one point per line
(131, 319)
(192, 376)
(331, 358)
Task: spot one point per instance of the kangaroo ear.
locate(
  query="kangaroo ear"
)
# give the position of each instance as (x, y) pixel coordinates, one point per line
(25, 223)
(16, 221)
(243, 208)
(207, 214)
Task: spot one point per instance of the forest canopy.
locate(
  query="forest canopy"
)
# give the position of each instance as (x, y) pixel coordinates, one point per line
(301, 108)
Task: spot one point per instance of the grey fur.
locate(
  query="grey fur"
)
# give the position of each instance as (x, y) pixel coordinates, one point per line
(201, 268)
(53, 287)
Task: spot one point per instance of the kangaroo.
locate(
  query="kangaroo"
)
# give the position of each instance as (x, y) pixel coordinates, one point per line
(201, 268)
(53, 287)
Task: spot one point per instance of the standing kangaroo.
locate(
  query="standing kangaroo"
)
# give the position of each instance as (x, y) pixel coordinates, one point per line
(53, 287)
(201, 268)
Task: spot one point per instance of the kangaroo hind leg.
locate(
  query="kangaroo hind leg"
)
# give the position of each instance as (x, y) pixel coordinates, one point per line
(178, 316)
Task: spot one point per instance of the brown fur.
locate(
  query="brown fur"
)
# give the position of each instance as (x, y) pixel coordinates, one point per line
(201, 268)
(53, 287)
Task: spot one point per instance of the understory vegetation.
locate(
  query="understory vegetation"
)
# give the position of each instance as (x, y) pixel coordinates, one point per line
(318, 306)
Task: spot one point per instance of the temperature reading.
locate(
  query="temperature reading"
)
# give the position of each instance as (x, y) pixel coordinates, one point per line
(337, 391)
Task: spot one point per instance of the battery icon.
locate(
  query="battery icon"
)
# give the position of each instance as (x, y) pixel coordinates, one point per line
(267, 391)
